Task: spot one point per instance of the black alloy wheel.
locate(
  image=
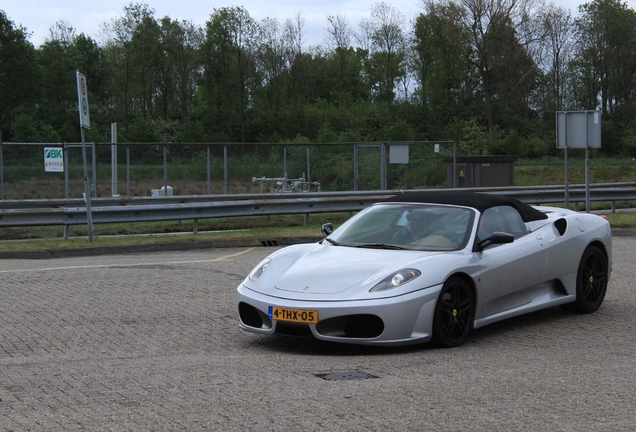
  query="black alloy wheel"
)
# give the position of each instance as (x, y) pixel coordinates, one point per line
(591, 282)
(454, 313)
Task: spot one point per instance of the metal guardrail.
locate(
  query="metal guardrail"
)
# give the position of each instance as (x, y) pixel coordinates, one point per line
(111, 210)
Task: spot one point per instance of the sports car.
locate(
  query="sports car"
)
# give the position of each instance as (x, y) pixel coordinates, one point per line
(429, 266)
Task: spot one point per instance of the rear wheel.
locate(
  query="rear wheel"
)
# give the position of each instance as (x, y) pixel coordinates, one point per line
(591, 282)
(454, 313)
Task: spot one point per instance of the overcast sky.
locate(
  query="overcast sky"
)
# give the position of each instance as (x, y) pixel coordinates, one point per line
(86, 16)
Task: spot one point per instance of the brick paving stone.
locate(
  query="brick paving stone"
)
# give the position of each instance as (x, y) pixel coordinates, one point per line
(147, 342)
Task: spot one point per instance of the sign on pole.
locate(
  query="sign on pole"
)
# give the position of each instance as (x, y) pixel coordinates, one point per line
(85, 123)
(82, 100)
(53, 159)
(578, 129)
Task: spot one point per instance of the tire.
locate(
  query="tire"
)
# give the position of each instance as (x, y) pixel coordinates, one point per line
(454, 313)
(591, 282)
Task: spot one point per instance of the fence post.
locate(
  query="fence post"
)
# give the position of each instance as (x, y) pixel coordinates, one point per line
(94, 164)
(165, 171)
(128, 171)
(66, 174)
(225, 169)
(454, 164)
(308, 171)
(67, 168)
(208, 169)
(355, 166)
(383, 175)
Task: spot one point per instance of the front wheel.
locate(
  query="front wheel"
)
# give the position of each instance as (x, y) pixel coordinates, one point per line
(591, 282)
(454, 313)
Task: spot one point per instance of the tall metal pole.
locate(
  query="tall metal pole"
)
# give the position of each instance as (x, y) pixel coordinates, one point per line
(87, 189)
(84, 122)
(567, 181)
(587, 179)
(587, 163)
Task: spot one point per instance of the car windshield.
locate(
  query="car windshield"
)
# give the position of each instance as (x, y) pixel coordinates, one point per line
(407, 226)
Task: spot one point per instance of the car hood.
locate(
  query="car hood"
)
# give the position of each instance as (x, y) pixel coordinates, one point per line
(333, 269)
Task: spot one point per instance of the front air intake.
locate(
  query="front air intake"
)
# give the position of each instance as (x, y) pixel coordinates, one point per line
(352, 326)
(252, 317)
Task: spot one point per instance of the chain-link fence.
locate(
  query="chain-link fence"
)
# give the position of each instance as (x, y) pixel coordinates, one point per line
(146, 169)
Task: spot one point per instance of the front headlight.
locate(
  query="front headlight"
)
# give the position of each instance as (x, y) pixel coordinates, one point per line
(396, 279)
(259, 269)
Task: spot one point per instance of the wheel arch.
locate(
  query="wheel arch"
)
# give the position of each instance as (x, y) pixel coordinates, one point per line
(599, 244)
(469, 281)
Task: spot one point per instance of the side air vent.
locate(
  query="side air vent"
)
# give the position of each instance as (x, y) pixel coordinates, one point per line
(561, 225)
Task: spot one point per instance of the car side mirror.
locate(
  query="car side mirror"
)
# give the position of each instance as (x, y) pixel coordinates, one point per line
(495, 238)
(327, 229)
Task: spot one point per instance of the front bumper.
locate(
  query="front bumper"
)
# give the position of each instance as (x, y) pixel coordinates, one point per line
(400, 320)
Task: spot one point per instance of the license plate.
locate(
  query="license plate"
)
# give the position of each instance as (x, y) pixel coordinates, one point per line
(294, 315)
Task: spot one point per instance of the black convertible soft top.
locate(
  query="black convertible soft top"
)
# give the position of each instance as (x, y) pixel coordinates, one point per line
(479, 201)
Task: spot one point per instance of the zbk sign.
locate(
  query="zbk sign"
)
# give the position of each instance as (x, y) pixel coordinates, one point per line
(53, 159)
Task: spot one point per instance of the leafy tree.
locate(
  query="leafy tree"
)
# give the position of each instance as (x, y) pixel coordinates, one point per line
(339, 38)
(388, 55)
(512, 75)
(229, 74)
(136, 62)
(59, 61)
(448, 81)
(487, 22)
(606, 60)
(19, 73)
(606, 34)
(182, 41)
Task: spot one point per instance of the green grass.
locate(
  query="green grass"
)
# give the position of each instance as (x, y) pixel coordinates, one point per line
(38, 238)
(527, 172)
(224, 230)
(622, 220)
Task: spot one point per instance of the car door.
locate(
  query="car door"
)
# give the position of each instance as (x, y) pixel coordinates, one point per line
(508, 271)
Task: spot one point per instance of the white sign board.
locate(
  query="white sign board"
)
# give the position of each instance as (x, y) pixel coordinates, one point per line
(578, 129)
(53, 159)
(82, 100)
(399, 154)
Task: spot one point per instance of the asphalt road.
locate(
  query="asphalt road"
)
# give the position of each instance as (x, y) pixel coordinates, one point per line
(151, 342)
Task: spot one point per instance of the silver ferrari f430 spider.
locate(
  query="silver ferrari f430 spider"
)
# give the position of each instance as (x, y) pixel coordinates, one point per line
(425, 266)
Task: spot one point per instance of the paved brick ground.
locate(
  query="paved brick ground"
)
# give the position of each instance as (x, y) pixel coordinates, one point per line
(151, 342)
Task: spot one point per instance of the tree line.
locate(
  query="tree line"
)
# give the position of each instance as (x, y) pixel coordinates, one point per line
(489, 74)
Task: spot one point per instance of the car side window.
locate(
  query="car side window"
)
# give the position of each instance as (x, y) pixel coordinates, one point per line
(501, 219)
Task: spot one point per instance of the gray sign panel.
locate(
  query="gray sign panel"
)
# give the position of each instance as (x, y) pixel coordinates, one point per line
(578, 129)
(399, 154)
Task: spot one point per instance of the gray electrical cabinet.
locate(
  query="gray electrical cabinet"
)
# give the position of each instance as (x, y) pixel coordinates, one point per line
(481, 171)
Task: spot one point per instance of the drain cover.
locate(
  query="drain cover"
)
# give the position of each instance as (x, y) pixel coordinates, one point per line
(344, 376)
